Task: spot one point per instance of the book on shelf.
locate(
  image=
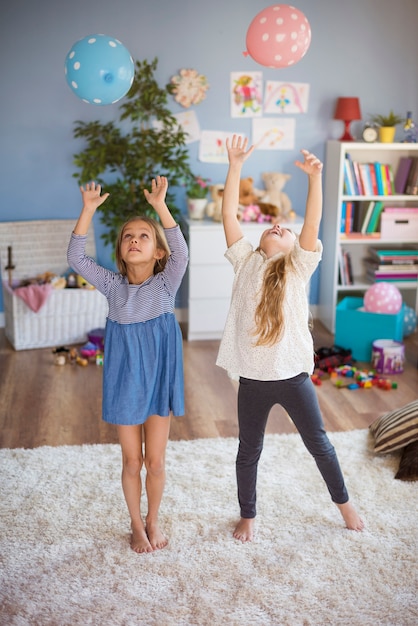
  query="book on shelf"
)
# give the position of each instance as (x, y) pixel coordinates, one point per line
(349, 217)
(374, 221)
(412, 182)
(348, 268)
(393, 278)
(345, 268)
(349, 186)
(367, 217)
(366, 179)
(341, 268)
(373, 178)
(343, 216)
(402, 172)
(360, 209)
(379, 178)
(353, 175)
(390, 180)
(390, 266)
(394, 254)
(357, 177)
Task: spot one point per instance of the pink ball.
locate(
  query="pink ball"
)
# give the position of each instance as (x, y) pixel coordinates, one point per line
(383, 298)
(278, 36)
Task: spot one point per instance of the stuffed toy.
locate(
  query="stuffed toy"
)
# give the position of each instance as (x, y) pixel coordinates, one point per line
(249, 196)
(274, 183)
(252, 213)
(214, 208)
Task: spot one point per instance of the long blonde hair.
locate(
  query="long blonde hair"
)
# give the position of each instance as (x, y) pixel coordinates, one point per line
(160, 242)
(269, 314)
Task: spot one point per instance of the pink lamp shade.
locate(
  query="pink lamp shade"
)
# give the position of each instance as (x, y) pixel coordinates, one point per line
(347, 110)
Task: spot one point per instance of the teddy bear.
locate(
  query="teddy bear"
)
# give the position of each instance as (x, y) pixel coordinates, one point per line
(250, 196)
(214, 208)
(274, 183)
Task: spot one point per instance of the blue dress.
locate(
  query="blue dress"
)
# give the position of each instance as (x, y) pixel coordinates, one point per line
(143, 364)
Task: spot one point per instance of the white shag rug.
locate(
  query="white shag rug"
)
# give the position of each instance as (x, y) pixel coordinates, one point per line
(65, 558)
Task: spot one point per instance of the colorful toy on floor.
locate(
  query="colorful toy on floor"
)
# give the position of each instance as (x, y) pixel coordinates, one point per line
(89, 353)
(328, 358)
(349, 377)
(88, 350)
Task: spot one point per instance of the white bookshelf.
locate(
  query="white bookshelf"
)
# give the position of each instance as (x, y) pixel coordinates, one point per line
(330, 290)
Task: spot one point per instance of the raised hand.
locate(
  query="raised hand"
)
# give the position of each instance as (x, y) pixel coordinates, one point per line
(91, 196)
(311, 165)
(237, 149)
(156, 196)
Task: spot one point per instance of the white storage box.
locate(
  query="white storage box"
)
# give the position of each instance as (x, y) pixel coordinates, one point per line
(399, 225)
(68, 314)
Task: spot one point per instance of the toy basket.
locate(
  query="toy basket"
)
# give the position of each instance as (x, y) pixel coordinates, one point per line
(68, 314)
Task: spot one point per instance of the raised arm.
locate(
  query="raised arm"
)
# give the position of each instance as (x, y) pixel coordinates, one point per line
(156, 198)
(312, 166)
(91, 201)
(237, 154)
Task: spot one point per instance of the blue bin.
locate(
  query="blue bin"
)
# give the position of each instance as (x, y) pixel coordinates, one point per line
(357, 330)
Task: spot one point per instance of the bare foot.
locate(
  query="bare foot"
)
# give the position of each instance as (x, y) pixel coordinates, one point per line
(352, 519)
(244, 530)
(156, 537)
(139, 540)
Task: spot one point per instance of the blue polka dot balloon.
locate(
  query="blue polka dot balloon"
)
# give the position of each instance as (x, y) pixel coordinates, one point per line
(409, 321)
(99, 69)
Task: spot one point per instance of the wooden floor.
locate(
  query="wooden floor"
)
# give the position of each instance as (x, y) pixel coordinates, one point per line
(45, 404)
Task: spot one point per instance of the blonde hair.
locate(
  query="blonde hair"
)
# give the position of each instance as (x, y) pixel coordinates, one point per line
(269, 316)
(160, 243)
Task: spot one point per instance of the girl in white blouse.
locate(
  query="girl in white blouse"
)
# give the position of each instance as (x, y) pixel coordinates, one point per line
(267, 343)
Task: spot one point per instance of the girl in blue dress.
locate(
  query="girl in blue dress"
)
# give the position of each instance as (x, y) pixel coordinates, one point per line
(143, 365)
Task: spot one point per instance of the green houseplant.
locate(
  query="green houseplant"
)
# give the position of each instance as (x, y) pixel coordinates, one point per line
(387, 125)
(197, 187)
(124, 158)
(197, 190)
(392, 119)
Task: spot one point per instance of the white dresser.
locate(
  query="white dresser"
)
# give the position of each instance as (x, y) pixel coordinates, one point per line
(211, 275)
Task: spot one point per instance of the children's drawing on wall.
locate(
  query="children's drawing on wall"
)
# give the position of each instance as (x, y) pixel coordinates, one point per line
(188, 122)
(246, 94)
(274, 133)
(212, 146)
(286, 97)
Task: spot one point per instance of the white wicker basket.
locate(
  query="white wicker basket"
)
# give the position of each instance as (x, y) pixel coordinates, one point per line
(68, 314)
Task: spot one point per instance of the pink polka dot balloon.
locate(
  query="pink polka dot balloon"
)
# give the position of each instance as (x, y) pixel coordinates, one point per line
(383, 298)
(278, 36)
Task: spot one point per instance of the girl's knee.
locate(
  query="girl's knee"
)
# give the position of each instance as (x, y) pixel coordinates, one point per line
(132, 465)
(155, 465)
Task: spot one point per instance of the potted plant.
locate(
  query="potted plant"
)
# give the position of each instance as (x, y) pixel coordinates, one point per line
(387, 124)
(124, 158)
(197, 190)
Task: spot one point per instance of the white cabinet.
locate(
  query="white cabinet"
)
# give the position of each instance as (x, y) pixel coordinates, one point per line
(330, 290)
(211, 275)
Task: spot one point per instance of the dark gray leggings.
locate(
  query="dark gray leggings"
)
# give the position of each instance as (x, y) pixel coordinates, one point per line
(298, 397)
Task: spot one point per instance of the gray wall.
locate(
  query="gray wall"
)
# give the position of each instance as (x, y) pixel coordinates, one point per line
(366, 48)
